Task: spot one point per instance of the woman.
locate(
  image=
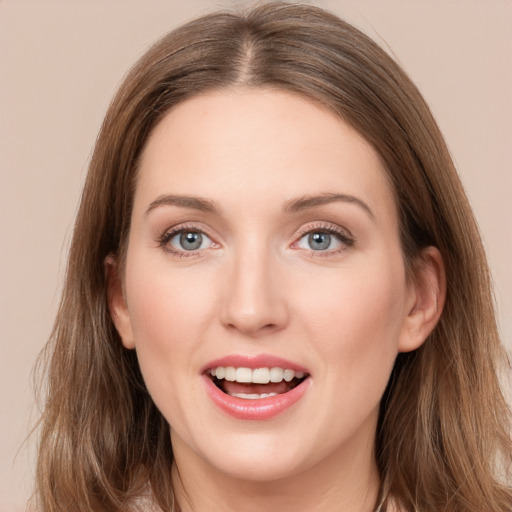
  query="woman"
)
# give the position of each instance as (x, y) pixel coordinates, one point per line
(276, 294)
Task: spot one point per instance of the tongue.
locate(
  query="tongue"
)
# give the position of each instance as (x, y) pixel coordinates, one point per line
(238, 387)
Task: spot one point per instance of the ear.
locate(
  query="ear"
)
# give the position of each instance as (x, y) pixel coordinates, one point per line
(426, 299)
(117, 305)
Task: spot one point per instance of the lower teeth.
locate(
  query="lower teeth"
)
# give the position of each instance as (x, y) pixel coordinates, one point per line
(253, 396)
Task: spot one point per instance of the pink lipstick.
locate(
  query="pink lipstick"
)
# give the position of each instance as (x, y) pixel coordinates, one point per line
(255, 388)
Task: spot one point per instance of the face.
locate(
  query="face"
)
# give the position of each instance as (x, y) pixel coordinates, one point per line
(264, 288)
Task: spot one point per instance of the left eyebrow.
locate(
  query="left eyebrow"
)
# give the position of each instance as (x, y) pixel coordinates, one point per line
(305, 202)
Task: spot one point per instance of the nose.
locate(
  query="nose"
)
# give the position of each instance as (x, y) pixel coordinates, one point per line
(254, 301)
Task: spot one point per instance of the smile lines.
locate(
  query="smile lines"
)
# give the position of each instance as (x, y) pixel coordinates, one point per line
(256, 376)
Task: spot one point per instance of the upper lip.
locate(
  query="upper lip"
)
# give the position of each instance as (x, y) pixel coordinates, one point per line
(253, 362)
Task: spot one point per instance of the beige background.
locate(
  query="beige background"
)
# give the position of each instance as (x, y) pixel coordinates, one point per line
(60, 63)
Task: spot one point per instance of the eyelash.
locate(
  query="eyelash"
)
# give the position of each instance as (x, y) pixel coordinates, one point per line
(168, 235)
(341, 234)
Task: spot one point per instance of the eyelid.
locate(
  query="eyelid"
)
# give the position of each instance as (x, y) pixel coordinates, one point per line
(343, 234)
(169, 233)
(324, 226)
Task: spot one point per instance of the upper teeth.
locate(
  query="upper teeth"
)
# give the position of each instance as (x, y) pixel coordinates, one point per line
(256, 376)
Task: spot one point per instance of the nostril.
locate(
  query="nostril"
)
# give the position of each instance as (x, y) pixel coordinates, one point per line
(247, 326)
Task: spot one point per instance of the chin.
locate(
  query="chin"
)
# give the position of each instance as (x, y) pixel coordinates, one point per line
(261, 457)
(259, 470)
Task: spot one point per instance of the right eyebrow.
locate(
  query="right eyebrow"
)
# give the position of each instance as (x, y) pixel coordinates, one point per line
(194, 203)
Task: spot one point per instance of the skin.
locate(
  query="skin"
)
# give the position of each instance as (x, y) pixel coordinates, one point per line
(255, 286)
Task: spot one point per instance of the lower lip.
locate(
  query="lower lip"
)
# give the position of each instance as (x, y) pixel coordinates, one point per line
(259, 409)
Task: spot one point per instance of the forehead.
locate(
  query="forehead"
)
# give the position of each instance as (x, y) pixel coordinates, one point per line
(273, 143)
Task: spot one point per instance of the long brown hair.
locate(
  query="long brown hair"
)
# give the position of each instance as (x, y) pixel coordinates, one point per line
(444, 424)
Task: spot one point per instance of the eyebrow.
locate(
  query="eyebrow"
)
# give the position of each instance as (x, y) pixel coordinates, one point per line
(306, 202)
(194, 203)
(292, 206)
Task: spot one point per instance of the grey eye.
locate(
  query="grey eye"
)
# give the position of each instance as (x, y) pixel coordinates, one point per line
(189, 241)
(319, 241)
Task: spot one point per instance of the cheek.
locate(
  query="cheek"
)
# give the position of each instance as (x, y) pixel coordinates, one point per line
(355, 331)
(168, 319)
(168, 311)
(356, 319)
(166, 306)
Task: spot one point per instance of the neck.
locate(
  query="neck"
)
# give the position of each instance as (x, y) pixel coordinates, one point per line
(349, 483)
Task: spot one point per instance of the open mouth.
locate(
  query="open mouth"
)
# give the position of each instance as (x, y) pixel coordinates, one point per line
(255, 384)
